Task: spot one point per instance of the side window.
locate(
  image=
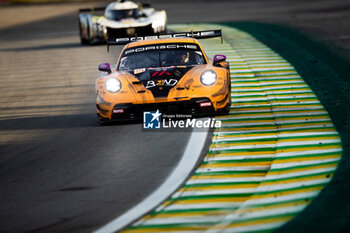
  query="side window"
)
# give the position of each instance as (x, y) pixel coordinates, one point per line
(123, 63)
(199, 57)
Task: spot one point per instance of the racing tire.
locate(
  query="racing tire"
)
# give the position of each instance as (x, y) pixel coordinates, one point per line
(225, 110)
(83, 41)
(228, 107)
(102, 121)
(89, 40)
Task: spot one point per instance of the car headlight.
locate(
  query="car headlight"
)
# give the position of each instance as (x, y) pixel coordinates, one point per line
(208, 77)
(113, 85)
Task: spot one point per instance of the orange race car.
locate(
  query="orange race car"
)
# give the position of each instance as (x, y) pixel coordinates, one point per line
(170, 73)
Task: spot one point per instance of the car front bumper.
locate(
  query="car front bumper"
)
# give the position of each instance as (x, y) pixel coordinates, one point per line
(195, 107)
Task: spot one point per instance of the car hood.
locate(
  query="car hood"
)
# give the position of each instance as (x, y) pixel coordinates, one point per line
(162, 79)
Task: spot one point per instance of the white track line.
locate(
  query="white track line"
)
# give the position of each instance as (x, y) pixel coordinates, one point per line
(173, 182)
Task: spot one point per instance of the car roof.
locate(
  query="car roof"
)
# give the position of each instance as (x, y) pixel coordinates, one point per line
(161, 41)
(119, 5)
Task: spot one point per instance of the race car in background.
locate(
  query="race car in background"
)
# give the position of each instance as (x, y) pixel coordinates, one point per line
(170, 73)
(120, 19)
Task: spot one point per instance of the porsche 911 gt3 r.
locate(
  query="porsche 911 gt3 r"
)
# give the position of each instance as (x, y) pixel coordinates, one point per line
(121, 18)
(169, 73)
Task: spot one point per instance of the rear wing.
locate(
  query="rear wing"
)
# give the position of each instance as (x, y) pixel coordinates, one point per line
(193, 34)
(92, 9)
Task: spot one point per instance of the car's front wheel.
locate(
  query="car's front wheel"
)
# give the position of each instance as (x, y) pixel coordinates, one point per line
(101, 120)
(82, 39)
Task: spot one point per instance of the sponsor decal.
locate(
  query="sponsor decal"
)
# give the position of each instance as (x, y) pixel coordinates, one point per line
(161, 83)
(118, 110)
(197, 34)
(139, 71)
(205, 104)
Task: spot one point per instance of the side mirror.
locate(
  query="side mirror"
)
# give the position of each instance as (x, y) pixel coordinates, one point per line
(218, 58)
(105, 67)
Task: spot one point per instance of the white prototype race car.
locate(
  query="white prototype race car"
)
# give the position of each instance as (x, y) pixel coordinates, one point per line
(120, 19)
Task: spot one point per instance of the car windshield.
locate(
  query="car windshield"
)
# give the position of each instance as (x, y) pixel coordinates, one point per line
(161, 55)
(122, 14)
